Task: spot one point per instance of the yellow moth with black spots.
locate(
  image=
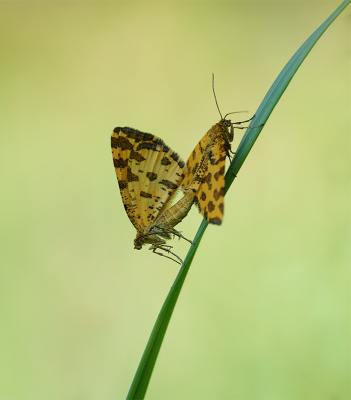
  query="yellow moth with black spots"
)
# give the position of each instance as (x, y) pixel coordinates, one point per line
(149, 174)
(206, 166)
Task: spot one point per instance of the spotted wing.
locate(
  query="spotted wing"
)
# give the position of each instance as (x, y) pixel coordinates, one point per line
(206, 165)
(148, 172)
(210, 195)
(196, 158)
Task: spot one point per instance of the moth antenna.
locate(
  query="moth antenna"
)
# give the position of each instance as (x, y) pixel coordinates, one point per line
(215, 95)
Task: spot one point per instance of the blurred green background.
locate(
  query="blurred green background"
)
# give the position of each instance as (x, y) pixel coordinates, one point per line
(265, 311)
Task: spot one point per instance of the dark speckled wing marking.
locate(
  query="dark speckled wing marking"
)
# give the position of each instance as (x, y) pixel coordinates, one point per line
(206, 166)
(148, 172)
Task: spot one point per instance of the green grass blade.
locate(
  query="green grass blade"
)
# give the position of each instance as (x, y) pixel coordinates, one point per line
(148, 360)
(274, 93)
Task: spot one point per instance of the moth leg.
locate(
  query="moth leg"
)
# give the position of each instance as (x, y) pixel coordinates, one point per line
(246, 127)
(170, 258)
(166, 248)
(154, 247)
(180, 236)
(230, 160)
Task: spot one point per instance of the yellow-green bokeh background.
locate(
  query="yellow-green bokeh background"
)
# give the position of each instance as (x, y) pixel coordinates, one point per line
(265, 310)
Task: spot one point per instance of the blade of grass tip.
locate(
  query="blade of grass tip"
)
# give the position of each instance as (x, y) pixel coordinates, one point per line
(274, 93)
(142, 377)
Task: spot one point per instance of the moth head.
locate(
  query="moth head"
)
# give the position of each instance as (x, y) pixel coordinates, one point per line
(137, 244)
(139, 241)
(226, 122)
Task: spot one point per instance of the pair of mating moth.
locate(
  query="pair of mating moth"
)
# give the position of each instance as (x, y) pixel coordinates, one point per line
(150, 173)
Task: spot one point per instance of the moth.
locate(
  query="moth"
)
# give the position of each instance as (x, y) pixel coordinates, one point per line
(206, 166)
(149, 174)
